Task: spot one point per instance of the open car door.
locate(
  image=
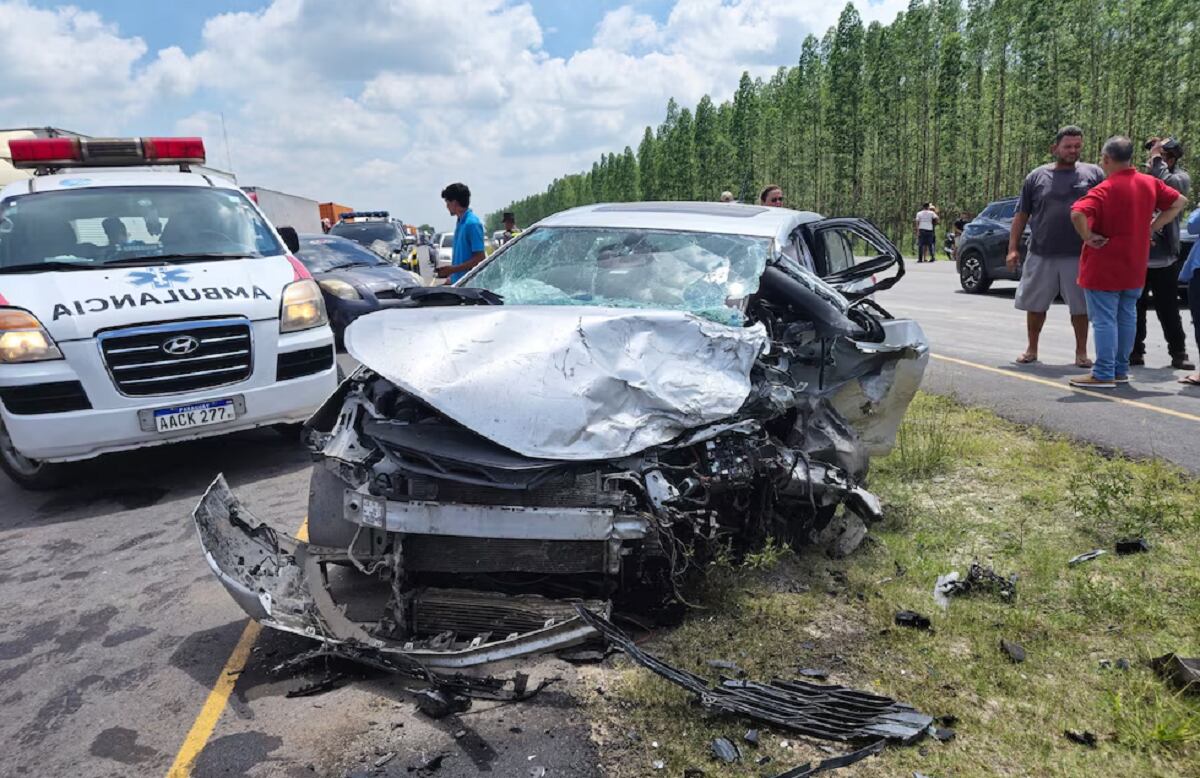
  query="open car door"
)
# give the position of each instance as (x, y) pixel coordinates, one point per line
(851, 254)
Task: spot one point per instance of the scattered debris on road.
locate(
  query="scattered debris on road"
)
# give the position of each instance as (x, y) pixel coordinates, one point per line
(1086, 557)
(979, 579)
(825, 712)
(1183, 673)
(912, 619)
(1083, 738)
(437, 704)
(731, 667)
(834, 762)
(725, 750)
(1132, 546)
(1015, 651)
(328, 683)
(751, 737)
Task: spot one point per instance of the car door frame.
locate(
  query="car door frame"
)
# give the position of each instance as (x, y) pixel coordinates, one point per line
(849, 281)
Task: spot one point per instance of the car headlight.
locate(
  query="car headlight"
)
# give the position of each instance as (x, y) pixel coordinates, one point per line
(24, 339)
(340, 289)
(303, 307)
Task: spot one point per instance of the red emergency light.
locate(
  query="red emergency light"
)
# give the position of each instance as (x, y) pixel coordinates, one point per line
(50, 153)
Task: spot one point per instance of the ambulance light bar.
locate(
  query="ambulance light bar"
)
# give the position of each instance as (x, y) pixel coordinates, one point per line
(105, 152)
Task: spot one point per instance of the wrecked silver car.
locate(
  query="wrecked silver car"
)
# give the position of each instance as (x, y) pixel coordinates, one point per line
(594, 411)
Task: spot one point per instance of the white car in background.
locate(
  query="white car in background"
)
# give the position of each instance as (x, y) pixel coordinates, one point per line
(443, 249)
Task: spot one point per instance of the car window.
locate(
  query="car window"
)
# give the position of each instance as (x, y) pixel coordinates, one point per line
(838, 250)
(448, 240)
(321, 255)
(703, 273)
(95, 226)
(366, 233)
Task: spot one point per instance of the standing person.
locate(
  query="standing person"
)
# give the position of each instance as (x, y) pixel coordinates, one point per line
(1162, 276)
(468, 233)
(1052, 262)
(771, 196)
(1115, 221)
(511, 230)
(1190, 275)
(924, 224)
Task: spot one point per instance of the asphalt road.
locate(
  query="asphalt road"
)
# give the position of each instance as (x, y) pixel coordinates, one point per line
(114, 634)
(975, 338)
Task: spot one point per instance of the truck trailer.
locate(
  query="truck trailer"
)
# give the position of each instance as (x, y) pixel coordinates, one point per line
(286, 210)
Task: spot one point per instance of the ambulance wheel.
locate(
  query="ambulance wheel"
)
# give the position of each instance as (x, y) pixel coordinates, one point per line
(32, 474)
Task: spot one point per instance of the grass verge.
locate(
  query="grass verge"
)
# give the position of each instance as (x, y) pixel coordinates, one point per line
(962, 485)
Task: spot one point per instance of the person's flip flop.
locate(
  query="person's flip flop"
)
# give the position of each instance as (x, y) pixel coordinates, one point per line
(1025, 359)
(1190, 380)
(1083, 362)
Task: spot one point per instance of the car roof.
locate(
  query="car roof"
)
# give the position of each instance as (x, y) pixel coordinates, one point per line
(91, 178)
(720, 218)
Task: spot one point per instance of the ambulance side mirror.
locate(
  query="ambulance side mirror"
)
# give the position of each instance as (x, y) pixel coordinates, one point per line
(290, 238)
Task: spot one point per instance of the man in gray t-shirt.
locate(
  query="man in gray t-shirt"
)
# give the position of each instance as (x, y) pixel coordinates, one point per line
(1052, 263)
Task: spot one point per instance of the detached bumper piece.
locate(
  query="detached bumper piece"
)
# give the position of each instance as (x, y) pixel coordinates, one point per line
(814, 710)
(282, 583)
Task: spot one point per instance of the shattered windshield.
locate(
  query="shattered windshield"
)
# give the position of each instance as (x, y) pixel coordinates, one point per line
(702, 273)
(99, 226)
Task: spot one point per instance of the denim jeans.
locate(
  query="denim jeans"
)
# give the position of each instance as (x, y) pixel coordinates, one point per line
(1194, 304)
(1114, 326)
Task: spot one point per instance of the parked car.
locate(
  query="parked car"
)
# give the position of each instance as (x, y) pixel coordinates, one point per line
(353, 280)
(982, 250)
(444, 246)
(377, 231)
(618, 394)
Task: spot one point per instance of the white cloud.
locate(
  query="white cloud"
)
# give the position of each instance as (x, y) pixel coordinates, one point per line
(382, 106)
(624, 29)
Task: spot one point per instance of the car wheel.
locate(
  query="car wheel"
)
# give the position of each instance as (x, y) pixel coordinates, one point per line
(972, 274)
(32, 474)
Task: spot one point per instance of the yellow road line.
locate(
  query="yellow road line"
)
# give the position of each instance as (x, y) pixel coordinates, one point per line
(1064, 386)
(214, 705)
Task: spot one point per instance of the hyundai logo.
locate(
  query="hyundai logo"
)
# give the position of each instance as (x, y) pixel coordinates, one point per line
(180, 345)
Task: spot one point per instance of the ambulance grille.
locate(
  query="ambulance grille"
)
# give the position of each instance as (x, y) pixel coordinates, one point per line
(179, 357)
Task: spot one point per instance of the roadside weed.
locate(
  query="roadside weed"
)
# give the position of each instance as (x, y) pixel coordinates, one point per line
(961, 486)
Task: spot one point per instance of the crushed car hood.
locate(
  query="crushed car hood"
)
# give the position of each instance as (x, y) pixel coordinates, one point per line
(568, 383)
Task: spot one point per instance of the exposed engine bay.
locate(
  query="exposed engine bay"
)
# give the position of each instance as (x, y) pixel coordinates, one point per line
(490, 466)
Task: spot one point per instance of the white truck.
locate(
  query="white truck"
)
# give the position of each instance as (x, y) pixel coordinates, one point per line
(140, 307)
(286, 210)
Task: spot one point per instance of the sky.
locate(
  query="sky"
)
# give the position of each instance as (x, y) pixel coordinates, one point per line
(378, 104)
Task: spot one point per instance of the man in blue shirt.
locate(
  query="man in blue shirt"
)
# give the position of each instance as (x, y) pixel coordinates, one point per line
(468, 233)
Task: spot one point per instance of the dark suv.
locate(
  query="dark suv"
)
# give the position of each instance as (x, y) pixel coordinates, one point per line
(983, 246)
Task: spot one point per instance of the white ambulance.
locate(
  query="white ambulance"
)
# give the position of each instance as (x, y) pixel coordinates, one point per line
(140, 307)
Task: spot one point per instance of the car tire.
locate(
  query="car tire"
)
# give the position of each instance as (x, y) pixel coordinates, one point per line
(32, 474)
(972, 274)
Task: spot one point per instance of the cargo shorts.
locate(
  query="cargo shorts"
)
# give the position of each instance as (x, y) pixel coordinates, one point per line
(1044, 278)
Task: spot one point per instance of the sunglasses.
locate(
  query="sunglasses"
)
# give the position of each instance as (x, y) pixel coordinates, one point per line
(775, 200)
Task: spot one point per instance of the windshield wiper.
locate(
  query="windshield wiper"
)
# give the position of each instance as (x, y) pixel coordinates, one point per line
(158, 259)
(33, 267)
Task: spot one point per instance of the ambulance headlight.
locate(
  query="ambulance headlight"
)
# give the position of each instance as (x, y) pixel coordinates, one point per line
(340, 289)
(303, 307)
(24, 339)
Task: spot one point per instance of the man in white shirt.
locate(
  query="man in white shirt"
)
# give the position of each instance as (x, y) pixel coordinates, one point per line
(926, 220)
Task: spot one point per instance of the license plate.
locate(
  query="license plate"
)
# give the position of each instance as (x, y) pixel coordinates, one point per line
(197, 415)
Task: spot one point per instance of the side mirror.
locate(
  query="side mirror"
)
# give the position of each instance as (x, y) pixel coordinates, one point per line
(290, 238)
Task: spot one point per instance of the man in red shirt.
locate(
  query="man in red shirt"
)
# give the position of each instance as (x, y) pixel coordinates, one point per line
(1115, 220)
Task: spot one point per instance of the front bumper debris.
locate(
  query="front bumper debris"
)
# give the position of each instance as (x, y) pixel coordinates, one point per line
(281, 582)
